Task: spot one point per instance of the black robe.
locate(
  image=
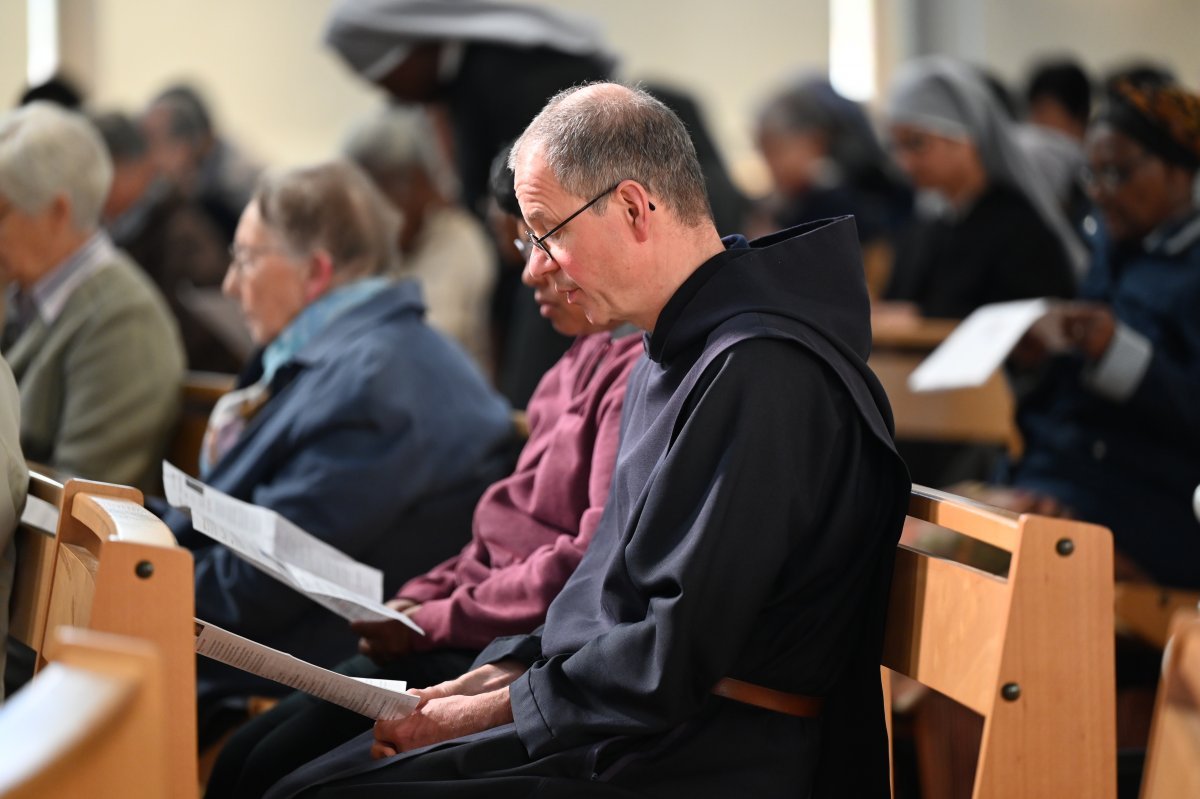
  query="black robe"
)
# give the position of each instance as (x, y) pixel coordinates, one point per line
(749, 532)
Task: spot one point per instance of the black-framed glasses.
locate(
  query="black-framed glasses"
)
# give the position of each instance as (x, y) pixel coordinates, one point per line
(540, 242)
(1110, 177)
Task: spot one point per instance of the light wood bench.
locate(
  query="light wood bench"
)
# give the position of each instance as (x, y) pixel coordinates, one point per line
(1173, 756)
(36, 554)
(1031, 652)
(93, 724)
(116, 569)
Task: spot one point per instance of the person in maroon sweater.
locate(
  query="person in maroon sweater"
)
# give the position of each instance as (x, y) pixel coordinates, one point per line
(530, 531)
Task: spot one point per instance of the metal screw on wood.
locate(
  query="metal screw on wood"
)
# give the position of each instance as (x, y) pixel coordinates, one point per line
(1064, 547)
(144, 569)
(1011, 692)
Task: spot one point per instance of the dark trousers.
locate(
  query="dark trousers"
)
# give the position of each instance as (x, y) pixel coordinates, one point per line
(302, 727)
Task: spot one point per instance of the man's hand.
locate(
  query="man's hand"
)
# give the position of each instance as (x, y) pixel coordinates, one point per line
(383, 641)
(439, 719)
(1085, 327)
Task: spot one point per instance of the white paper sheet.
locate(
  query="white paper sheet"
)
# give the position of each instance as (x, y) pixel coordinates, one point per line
(977, 347)
(376, 699)
(262, 537)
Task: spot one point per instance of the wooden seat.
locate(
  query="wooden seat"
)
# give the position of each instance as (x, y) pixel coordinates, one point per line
(117, 569)
(1173, 757)
(1031, 652)
(36, 554)
(94, 723)
(201, 390)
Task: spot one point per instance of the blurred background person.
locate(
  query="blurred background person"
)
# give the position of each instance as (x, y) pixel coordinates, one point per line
(1112, 428)
(486, 68)
(171, 238)
(989, 227)
(825, 161)
(188, 151)
(442, 247)
(12, 497)
(1058, 96)
(59, 89)
(357, 422)
(91, 342)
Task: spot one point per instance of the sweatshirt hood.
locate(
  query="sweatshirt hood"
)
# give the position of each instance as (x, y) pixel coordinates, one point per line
(811, 273)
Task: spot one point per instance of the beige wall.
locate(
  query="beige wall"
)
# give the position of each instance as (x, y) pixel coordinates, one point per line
(275, 88)
(12, 51)
(272, 85)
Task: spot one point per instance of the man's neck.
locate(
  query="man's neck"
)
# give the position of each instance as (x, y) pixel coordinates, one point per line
(686, 252)
(59, 251)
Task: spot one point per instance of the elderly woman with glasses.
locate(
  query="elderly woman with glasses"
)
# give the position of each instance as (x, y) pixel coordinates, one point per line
(1112, 428)
(357, 421)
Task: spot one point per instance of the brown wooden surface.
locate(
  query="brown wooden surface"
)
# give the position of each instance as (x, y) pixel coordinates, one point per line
(201, 390)
(35, 565)
(1045, 627)
(1173, 756)
(140, 584)
(1145, 610)
(899, 331)
(93, 724)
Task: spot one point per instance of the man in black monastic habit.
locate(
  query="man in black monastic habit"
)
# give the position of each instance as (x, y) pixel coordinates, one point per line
(722, 635)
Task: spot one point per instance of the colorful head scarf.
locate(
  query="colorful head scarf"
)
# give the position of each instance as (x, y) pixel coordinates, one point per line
(1162, 118)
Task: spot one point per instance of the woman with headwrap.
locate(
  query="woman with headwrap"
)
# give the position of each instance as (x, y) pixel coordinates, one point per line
(989, 226)
(1112, 429)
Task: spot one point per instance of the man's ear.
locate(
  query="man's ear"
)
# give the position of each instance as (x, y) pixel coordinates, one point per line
(59, 211)
(320, 275)
(636, 206)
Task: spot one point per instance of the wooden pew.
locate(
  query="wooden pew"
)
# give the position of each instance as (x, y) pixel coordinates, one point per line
(1173, 756)
(984, 415)
(201, 390)
(1031, 652)
(117, 569)
(36, 554)
(93, 724)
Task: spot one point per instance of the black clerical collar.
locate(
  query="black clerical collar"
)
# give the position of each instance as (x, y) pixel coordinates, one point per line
(656, 341)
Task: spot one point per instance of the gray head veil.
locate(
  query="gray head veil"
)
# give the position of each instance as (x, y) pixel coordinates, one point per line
(947, 97)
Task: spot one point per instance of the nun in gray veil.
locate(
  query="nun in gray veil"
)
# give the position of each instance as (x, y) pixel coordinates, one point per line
(989, 226)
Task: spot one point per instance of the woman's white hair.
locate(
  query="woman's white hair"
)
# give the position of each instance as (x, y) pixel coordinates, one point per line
(46, 151)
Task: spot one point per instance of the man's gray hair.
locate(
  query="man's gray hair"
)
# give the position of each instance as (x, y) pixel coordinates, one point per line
(333, 207)
(612, 136)
(46, 151)
(395, 139)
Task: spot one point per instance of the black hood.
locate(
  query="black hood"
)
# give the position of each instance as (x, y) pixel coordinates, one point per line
(811, 273)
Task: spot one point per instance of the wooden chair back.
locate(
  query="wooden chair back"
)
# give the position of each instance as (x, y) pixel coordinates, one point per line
(1173, 755)
(94, 723)
(201, 390)
(118, 570)
(36, 554)
(1030, 651)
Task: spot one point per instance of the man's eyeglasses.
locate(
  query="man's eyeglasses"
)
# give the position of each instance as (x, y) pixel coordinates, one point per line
(525, 246)
(241, 257)
(1110, 177)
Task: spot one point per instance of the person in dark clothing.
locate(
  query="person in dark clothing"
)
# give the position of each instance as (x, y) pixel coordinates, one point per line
(990, 228)
(1112, 428)
(491, 67)
(735, 546)
(1059, 97)
(825, 160)
(171, 238)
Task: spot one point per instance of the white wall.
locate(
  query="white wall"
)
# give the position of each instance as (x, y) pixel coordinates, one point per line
(12, 51)
(272, 85)
(275, 88)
